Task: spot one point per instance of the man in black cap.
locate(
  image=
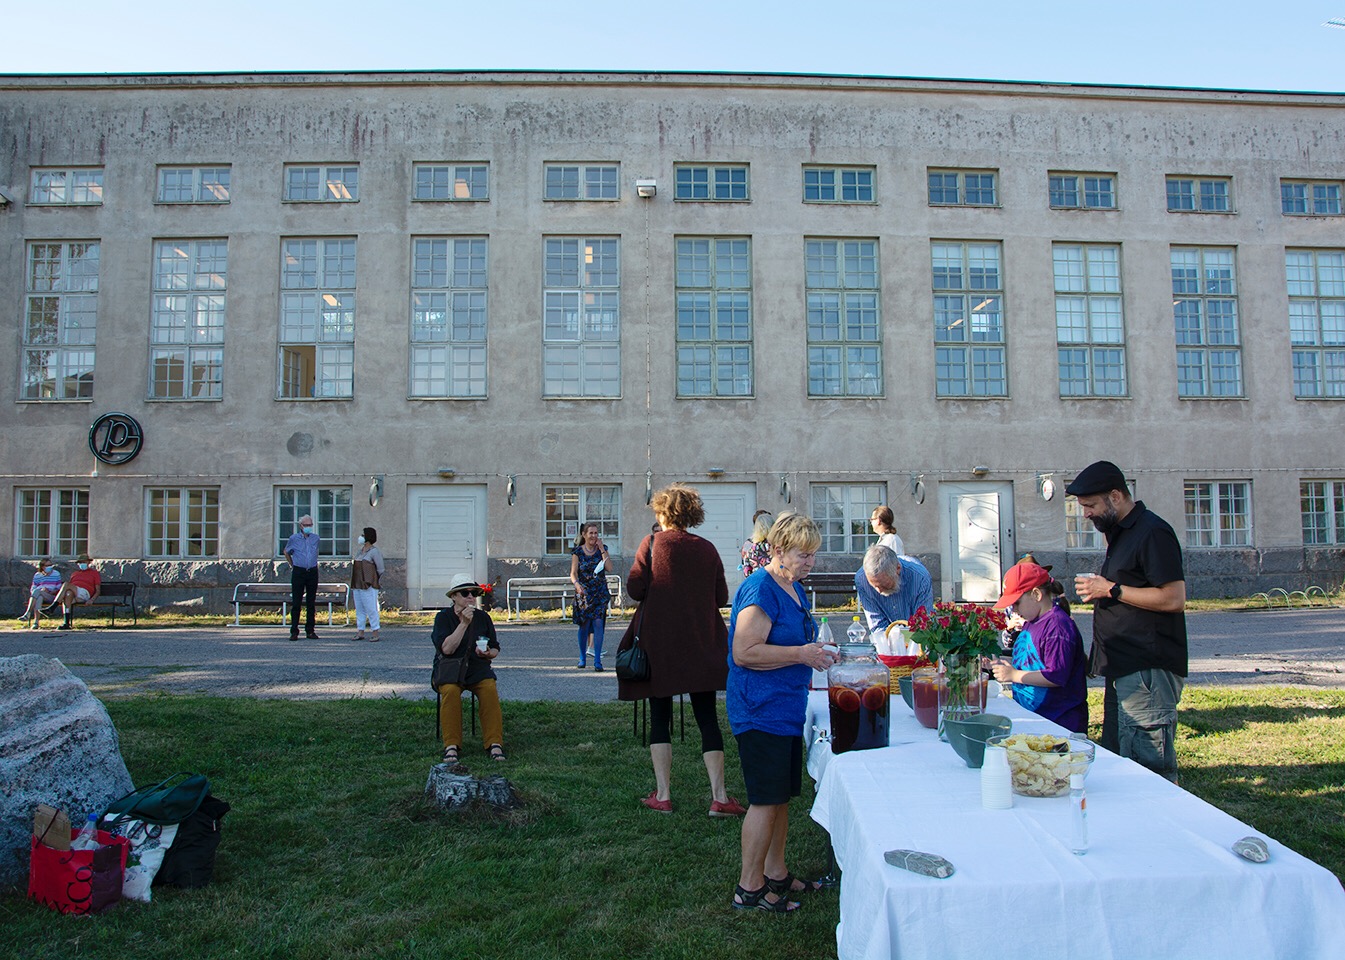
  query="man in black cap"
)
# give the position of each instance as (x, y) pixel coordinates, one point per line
(1139, 623)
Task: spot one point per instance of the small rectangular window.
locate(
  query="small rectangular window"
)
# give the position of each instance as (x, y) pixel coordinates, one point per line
(838, 184)
(1322, 506)
(193, 184)
(569, 507)
(1196, 195)
(721, 183)
(52, 522)
(182, 523)
(320, 184)
(581, 182)
(71, 186)
(964, 188)
(1310, 198)
(842, 512)
(330, 509)
(1218, 514)
(1082, 191)
(451, 181)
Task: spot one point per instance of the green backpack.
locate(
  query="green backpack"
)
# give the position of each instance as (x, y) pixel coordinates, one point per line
(165, 802)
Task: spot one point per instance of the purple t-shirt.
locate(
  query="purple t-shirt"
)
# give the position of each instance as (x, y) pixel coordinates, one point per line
(1053, 645)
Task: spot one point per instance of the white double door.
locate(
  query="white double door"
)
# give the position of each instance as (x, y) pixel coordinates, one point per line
(728, 521)
(445, 537)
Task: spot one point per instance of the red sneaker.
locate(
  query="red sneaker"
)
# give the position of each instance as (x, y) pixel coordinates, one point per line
(654, 803)
(729, 808)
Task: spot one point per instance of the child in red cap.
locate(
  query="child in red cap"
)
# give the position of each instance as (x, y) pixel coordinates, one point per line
(1048, 668)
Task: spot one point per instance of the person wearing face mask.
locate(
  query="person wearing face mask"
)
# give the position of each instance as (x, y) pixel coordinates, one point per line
(82, 587)
(365, 572)
(1139, 619)
(46, 585)
(301, 551)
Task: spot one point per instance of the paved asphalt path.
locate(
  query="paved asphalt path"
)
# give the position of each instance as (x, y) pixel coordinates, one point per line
(1297, 647)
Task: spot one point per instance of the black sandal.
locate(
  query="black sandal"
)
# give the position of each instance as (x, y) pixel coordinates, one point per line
(450, 756)
(756, 900)
(495, 752)
(785, 886)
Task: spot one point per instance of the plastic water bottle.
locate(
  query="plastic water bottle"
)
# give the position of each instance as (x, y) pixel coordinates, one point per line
(87, 838)
(819, 679)
(1078, 841)
(856, 633)
(824, 634)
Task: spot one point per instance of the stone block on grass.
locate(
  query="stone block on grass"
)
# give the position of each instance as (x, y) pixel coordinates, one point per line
(452, 788)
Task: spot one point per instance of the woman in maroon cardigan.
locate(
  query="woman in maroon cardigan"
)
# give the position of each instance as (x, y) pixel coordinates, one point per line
(679, 579)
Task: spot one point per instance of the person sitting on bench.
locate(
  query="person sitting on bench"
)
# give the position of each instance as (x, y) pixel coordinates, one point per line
(46, 585)
(82, 587)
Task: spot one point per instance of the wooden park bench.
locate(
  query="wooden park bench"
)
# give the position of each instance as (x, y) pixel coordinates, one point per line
(113, 595)
(828, 584)
(550, 587)
(280, 594)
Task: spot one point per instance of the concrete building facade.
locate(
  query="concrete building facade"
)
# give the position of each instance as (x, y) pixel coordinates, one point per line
(475, 309)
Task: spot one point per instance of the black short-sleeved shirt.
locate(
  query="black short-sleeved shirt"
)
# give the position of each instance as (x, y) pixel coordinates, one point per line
(1142, 551)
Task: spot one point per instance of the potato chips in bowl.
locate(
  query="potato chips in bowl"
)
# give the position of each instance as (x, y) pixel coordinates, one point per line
(1040, 764)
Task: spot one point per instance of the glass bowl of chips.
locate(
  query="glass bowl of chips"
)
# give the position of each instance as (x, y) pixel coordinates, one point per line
(1040, 764)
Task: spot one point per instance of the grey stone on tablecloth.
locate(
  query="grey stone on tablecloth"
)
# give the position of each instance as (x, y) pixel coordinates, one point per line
(57, 746)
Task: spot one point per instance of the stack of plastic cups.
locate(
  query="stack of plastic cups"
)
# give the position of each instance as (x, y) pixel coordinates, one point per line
(996, 780)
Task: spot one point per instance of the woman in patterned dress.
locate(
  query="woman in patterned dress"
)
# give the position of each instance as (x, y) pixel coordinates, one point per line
(591, 595)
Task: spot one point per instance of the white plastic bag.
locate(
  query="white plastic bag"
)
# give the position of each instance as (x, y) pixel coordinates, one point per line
(149, 842)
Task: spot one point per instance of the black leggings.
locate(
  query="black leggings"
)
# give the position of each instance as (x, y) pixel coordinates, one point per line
(707, 718)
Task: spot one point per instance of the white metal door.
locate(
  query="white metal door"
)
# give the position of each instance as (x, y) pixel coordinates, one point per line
(446, 535)
(979, 537)
(728, 521)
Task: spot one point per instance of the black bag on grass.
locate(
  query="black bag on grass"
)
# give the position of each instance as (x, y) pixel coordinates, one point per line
(190, 861)
(168, 801)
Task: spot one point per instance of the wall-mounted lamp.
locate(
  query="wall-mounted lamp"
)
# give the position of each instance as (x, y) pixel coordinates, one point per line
(715, 472)
(1046, 486)
(646, 188)
(447, 473)
(979, 470)
(512, 489)
(4, 200)
(918, 487)
(648, 486)
(375, 490)
(785, 490)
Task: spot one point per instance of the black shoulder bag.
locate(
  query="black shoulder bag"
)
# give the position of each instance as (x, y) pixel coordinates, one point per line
(632, 663)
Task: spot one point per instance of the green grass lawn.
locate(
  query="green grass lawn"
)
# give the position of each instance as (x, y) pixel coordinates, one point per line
(331, 852)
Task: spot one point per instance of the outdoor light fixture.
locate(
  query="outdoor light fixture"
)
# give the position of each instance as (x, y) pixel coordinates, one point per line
(375, 490)
(979, 470)
(1046, 486)
(785, 490)
(715, 472)
(447, 473)
(513, 489)
(918, 487)
(646, 188)
(648, 486)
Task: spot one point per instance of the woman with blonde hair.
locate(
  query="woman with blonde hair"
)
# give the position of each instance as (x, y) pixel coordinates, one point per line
(774, 651)
(679, 580)
(756, 550)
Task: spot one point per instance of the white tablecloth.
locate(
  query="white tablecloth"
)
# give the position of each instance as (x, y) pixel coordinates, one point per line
(1159, 879)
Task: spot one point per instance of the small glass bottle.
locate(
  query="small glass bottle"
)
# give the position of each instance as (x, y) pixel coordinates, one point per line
(1078, 803)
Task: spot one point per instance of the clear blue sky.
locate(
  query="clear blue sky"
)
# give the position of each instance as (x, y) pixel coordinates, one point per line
(1246, 44)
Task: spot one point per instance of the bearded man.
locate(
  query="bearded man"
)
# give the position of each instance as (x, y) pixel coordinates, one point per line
(1139, 619)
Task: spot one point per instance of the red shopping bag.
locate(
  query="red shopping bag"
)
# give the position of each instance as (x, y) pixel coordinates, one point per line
(78, 881)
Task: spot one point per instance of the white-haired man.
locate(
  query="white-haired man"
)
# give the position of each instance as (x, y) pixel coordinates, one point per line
(891, 588)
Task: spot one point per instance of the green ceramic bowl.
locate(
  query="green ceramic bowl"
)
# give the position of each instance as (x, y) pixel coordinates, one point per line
(904, 683)
(968, 735)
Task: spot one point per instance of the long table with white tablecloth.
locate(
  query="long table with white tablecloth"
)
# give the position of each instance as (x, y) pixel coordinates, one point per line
(1159, 880)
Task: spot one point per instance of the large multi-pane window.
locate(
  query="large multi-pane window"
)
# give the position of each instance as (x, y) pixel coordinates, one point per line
(186, 327)
(969, 359)
(1080, 534)
(1196, 195)
(181, 522)
(1322, 503)
(965, 188)
(844, 341)
(451, 181)
(568, 507)
(60, 320)
(448, 317)
(838, 184)
(328, 506)
(317, 318)
(714, 317)
(193, 185)
(842, 512)
(594, 181)
(1090, 335)
(1316, 282)
(322, 184)
(71, 186)
(581, 317)
(1310, 198)
(52, 522)
(1218, 513)
(1082, 191)
(692, 182)
(1205, 314)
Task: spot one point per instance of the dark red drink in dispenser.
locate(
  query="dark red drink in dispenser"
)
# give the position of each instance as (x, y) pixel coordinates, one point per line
(858, 717)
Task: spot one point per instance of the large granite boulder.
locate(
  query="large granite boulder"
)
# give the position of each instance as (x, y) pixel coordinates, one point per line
(57, 746)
